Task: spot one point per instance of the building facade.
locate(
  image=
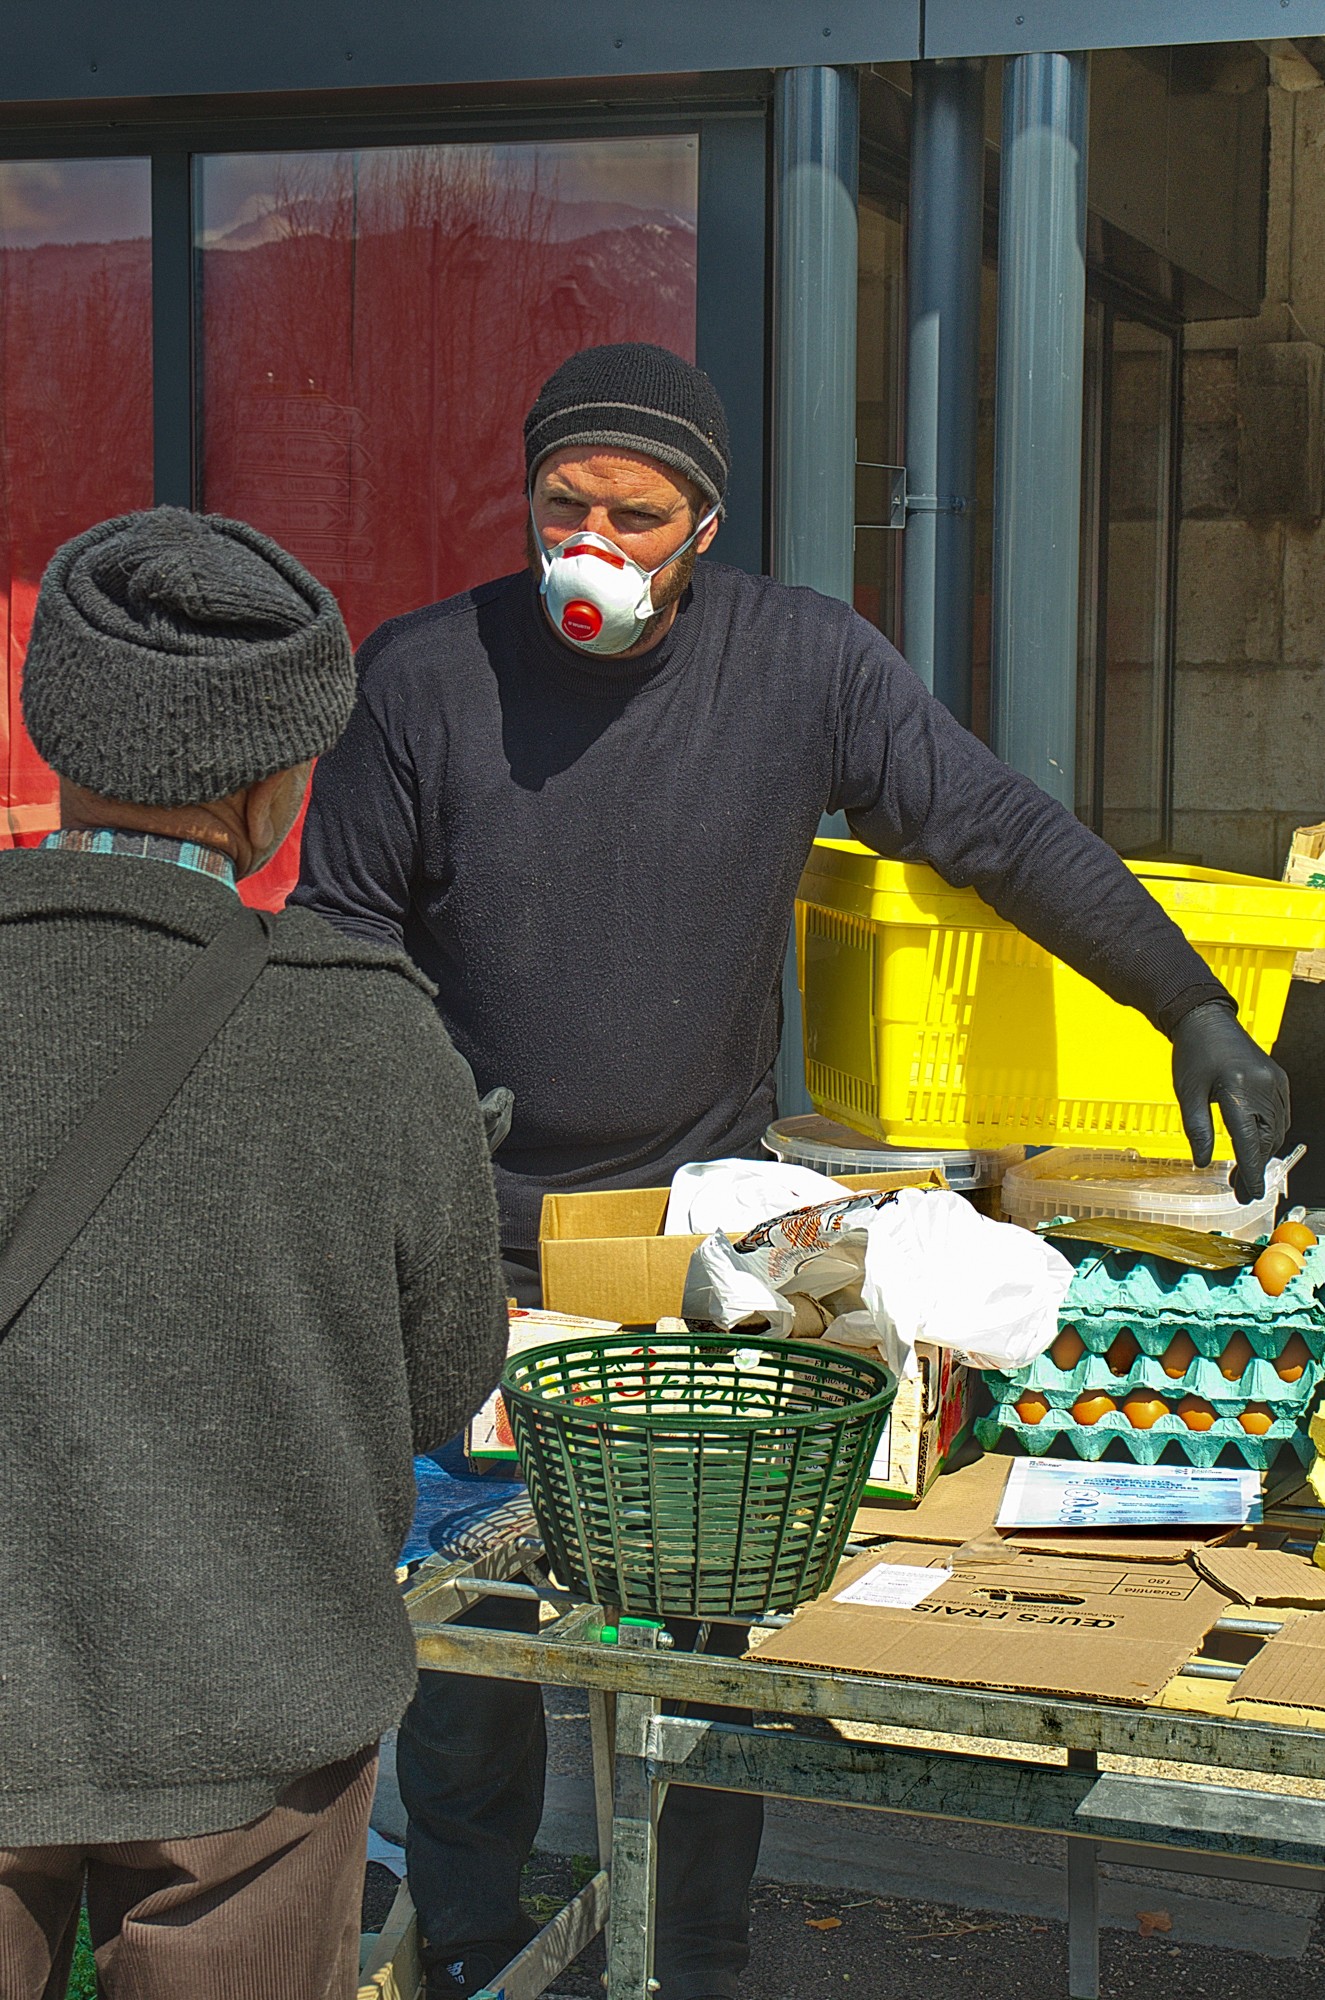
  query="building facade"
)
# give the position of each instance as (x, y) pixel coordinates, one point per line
(1020, 333)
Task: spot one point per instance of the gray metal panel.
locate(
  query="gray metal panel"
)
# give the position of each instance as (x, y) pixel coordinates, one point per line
(84, 49)
(1015, 27)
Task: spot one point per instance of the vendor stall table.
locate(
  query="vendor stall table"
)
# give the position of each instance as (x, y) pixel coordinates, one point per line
(1151, 1821)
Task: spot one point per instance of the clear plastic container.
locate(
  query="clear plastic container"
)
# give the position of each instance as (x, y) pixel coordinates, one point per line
(1080, 1182)
(830, 1148)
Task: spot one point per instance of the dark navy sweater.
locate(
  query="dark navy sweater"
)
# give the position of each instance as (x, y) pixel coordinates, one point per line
(596, 861)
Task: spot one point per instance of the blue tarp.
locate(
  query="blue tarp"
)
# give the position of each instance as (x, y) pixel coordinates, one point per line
(447, 1506)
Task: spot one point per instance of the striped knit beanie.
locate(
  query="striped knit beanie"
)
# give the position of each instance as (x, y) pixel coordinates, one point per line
(634, 397)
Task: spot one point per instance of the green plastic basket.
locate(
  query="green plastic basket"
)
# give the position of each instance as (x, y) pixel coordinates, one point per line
(695, 1475)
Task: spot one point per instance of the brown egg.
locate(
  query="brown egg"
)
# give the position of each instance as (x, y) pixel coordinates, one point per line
(1031, 1406)
(1067, 1350)
(1088, 1409)
(1292, 1364)
(1295, 1233)
(1236, 1358)
(1256, 1418)
(1178, 1356)
(1196, 1413)
(1122, 1353)
(1143, 1408)
(1276, 1268)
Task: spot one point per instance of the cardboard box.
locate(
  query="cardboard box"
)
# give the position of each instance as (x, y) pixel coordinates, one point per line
(604, 1253)
(1305, 868)
(930, 1418)
(1033, 1624)
(488, 1437)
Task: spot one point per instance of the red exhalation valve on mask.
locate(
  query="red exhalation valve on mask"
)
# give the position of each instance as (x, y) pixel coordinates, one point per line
(581, 620)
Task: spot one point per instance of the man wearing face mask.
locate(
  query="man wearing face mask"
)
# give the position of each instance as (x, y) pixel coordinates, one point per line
(581, 798)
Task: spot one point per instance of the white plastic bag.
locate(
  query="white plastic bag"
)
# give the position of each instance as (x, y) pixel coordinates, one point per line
(734, 1195)
(726, 1289)
(888, 1271)
(936, 1270)
(798, 1271)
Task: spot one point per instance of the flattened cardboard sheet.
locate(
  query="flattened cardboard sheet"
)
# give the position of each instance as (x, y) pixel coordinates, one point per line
(1290, 1667)
(1118, 1631)
(961, 1505)
(1257, 1570)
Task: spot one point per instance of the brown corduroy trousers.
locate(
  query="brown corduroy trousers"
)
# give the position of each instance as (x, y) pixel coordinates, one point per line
(268, 1908)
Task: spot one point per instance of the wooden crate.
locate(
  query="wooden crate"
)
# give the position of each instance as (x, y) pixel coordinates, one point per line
(394, 1970)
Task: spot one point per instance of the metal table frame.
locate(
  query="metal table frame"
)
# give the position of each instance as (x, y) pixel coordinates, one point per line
(1196, 1826)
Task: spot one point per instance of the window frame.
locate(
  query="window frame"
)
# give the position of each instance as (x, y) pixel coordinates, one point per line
(1115, 301)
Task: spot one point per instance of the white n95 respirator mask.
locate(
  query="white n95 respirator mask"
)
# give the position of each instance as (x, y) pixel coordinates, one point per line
(597, 598)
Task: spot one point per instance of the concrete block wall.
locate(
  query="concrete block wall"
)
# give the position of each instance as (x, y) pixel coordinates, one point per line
(1249, 693)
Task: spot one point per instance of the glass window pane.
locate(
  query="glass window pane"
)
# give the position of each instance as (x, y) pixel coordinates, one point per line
(880, 363)
(1136, 571)
(375, 325)
(75, 403)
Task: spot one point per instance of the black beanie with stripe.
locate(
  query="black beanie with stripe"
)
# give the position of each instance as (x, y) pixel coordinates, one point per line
(634, 397)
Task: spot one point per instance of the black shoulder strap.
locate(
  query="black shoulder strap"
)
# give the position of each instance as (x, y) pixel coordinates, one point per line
(97, 1152)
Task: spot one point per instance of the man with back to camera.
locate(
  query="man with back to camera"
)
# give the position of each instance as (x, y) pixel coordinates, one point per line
(207, 1406)
(581, 798)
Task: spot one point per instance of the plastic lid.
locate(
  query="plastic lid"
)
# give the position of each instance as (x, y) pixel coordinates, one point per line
(812, 1141)
(1125, 1181)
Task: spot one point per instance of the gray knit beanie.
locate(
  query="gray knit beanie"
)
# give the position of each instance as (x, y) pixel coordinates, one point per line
(178, 657)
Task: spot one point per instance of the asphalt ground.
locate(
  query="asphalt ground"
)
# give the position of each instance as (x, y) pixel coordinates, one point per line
(977, 1910)
(820, 1944)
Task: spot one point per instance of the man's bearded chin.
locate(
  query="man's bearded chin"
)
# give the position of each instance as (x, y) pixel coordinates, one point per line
(666, 589)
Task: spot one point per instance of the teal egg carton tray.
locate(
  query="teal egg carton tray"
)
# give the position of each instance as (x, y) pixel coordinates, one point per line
(1259, 1382)
(1060, 1431)
(1116, 1291)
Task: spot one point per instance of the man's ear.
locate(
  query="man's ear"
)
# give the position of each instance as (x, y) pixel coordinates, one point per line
(705, 541)
(260, 811)
(271, 807)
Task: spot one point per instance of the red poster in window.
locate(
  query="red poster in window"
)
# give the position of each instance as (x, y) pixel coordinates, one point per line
(376, 325)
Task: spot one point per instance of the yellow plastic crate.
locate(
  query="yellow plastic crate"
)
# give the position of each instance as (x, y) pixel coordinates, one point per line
(930, 1021)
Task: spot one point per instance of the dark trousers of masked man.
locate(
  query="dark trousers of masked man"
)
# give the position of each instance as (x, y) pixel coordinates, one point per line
(470, 1761)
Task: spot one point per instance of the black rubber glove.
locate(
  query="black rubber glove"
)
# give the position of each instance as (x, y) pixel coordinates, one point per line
(1215, 1060)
